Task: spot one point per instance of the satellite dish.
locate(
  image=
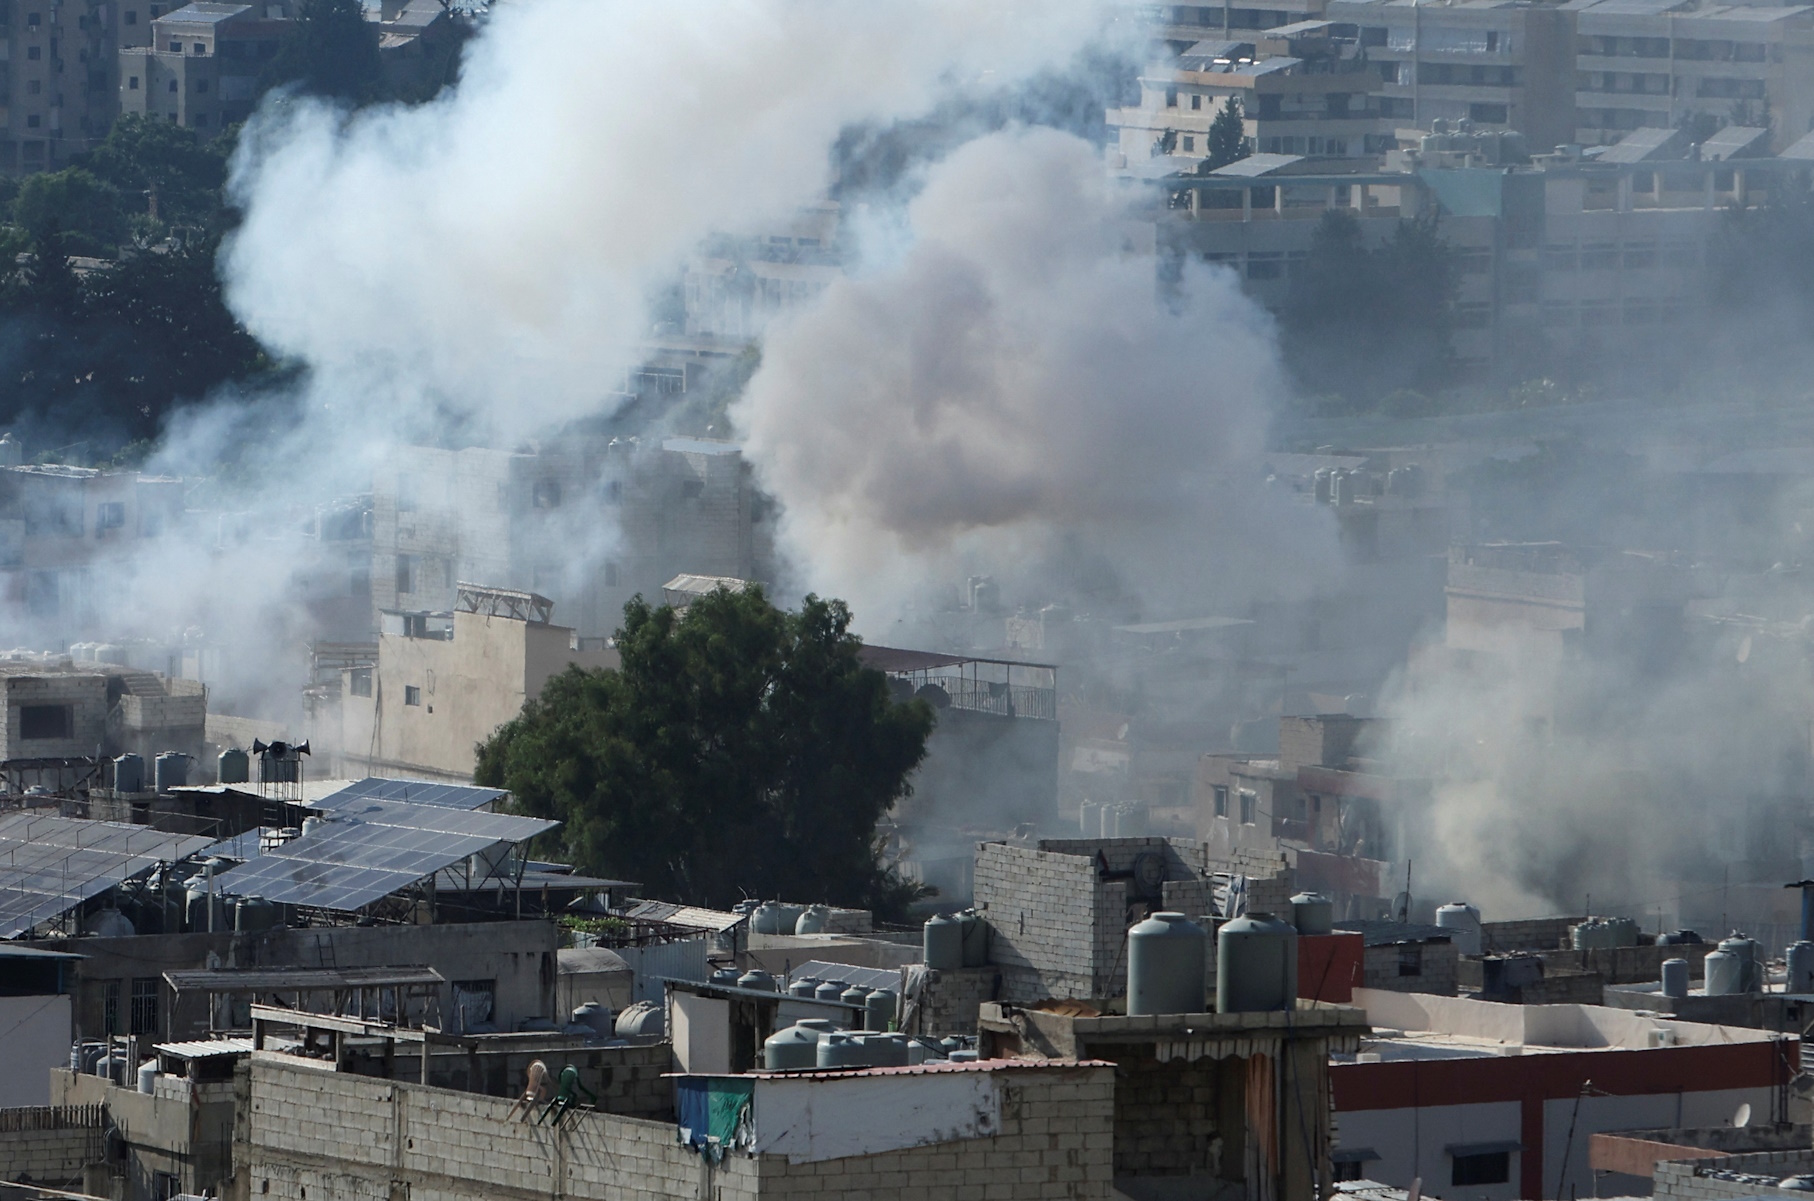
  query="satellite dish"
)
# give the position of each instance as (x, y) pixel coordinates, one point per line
(1743, 1116)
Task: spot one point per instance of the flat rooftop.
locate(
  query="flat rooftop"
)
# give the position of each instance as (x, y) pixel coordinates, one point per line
(1418, 1026)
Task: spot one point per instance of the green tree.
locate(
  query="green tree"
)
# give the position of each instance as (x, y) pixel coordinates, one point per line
(82, 209)
(331, 50)
(1227, 136)
(177, 175)
(1371, 323)
(739, 750)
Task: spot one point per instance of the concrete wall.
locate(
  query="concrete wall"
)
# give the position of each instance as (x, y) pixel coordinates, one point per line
(84, 694)
(1384, 968)
(318, 1136)
(182, 1129)
(518, 956)
(1055, 929)
(35, 1034)
(1702, 1180)
(50, 1145)
(953, 998)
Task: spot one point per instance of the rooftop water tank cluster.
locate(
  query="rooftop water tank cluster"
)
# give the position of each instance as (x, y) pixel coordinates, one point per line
(1462, 921)
(1604, 934)
(818, 1044)
(950, 941)
(1734, 968)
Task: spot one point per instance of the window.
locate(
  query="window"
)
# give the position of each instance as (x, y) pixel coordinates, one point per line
(412, 695)
(132, 16)
(176, 47)
(110, 1008)
(33, 20)
(1410, 959)
(200, 48)
(144, 1005)
(1171, 97)
(109, 515)
(692, 488)
(47, 721)
(1190, 144)
(34, 53)
(133, 84)
(472, 1001)
(1489, 1167)
(360, 681)
(406, 574)
(1346, 1169)
(1488, 114)
(173, 89)
(1196, 102)
(546, 494)
(1264, 264)
(1248, 801)
(610, 575)
(1221, 800)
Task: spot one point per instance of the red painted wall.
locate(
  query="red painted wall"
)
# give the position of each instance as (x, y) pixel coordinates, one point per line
(1545, 1076)
(1329, 966)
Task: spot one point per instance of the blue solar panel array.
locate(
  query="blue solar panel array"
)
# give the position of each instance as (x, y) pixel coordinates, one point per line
(50, 864)
(416, 792)
(371, 847)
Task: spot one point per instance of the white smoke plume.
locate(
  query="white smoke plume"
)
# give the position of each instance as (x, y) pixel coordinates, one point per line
(482, 262)
(1011, 392)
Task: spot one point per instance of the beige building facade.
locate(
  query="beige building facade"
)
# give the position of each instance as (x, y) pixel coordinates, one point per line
(439, 689)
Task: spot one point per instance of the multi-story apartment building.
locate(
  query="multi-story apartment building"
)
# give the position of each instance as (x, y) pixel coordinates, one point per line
(1300, 92)
(1567, 254)
(64, 532)
(57, 61)
(1502, 64)
(201, 64)
(1645, 64)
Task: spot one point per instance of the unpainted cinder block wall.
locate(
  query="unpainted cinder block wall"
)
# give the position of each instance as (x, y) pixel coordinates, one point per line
(311, 1135)
(50, 1144)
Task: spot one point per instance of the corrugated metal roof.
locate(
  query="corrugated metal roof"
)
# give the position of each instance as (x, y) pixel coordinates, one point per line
(683, 915)
(587, 961)
(209, 1048)
(1258, 164)
(288, 979)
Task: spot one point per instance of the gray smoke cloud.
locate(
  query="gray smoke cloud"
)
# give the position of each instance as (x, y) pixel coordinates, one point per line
(481, 263)
(1004, 389)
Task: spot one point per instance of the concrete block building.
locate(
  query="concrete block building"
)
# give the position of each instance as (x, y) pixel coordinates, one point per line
(200, 66)
(1058, 911)
(1014, 1130)
(1501, 1101)
(440, 688)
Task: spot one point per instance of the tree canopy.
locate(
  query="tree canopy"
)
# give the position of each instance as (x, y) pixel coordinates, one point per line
(331, 50)
(739, 750)
(1369, 323)
(1227, 137)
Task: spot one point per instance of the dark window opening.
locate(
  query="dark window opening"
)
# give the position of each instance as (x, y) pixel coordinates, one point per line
(1494, 1167)
(1221, 801)
(1410, 960)
(412, 695)
(361, 682)
(144, 1005)
(47, 721)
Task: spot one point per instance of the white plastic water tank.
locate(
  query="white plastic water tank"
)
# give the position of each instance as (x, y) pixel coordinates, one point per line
(1462, 921)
